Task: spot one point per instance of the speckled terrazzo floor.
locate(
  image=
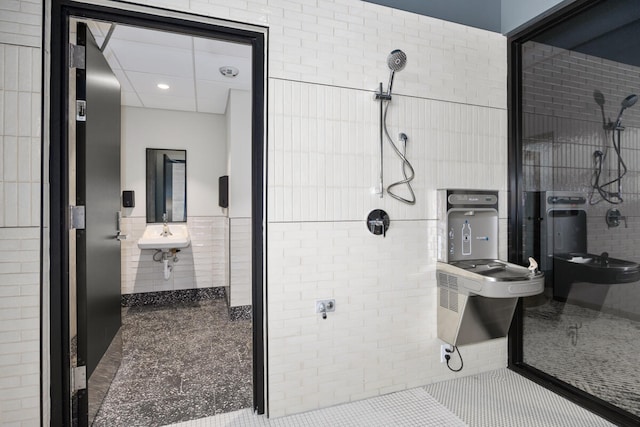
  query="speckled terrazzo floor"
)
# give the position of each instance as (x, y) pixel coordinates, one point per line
(594, 351)
(180, 362)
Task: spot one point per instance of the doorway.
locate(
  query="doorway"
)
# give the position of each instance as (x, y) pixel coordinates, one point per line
(60, 165)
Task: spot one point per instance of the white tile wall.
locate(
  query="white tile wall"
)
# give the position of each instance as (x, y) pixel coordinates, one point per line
(324, 151)
(21, 23)
(20, 123)
(383, 334)
(19, 326)
(240, 284)
(322, 162)
(563, 127)
(201, 265)
(19, 136)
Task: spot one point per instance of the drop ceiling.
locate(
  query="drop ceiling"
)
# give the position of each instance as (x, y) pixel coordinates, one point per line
(142, 58)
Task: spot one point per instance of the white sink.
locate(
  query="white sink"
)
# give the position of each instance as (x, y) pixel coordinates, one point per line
(153, 237)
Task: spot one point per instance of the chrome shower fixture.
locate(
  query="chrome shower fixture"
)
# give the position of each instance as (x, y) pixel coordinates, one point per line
(599, 157)
(628, 102)
(396, 61)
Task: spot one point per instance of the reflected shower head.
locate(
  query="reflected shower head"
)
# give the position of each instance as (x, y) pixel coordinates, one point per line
(629, 101)
(396, 61)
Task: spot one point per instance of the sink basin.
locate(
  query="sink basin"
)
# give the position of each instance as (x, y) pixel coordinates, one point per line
(153, 238)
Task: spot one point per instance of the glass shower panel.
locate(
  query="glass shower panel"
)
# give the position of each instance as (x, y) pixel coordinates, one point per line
(581, 202)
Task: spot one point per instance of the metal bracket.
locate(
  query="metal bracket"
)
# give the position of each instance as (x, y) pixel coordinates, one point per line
(76, 56)
(79, 378)
(77, 217)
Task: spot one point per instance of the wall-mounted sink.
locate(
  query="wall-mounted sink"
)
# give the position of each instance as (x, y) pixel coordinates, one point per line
(154, 238)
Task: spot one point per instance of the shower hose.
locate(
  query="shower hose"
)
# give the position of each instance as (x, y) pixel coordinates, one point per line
(406, 165)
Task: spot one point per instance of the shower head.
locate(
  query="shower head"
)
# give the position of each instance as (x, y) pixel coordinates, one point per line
(396, 61)
(629, 101)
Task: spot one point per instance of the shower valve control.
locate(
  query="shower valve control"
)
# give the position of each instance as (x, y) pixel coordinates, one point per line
(378, 222)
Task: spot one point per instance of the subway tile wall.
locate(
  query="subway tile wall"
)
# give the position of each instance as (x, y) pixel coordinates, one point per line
(563, 127)
(201, 265)
(383, 335)
(20, 123)
(240, 267)
(19, 326)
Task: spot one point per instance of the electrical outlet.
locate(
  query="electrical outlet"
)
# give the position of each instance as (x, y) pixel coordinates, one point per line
(443, 352)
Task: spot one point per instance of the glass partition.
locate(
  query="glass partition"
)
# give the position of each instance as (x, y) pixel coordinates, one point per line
(580, 200)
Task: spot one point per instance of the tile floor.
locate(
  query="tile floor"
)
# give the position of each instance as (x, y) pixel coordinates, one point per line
(492, 399)
(179, 362)
(594, 351)
(188, 365)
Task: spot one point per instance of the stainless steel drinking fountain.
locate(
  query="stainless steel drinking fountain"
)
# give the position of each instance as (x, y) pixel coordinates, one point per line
(477, 292)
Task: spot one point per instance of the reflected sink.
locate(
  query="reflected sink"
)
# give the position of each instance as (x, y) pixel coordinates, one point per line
(153, 238)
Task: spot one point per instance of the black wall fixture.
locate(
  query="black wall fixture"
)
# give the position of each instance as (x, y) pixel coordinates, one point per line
(128, 199)
(378, 222)
(223, 191)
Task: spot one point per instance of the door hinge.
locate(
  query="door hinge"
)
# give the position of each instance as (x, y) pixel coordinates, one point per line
(76, 56)
(79, 378)
(76, 217)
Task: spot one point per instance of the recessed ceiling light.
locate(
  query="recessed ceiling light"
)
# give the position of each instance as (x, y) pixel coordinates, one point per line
(163, 86)
(229, 71)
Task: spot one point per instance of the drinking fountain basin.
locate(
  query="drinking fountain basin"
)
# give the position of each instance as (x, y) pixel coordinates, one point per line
(591, 268)
(155, 238)
(477, 298)
(493, 278)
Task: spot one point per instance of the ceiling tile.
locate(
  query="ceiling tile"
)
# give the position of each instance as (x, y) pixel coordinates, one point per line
(141, 58)
(145, 35)
(168, 102)
(134, 56)
(220, 47)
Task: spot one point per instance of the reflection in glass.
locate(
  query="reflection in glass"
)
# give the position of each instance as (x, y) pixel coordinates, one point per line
(166, 185)
(585, 328)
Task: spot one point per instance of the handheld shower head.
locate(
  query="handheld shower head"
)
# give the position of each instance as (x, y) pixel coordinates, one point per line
(396, 61)
(629, 101)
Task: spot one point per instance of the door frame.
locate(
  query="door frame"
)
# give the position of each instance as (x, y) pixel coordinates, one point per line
(58, 169)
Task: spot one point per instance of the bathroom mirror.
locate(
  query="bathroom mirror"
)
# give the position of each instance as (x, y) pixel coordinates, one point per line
(166, 185)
